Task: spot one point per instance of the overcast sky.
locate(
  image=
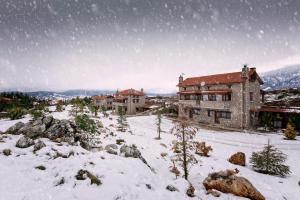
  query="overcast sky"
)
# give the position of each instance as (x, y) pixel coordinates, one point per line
(110, 44)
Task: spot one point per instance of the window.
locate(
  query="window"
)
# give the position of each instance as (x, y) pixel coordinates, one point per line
(212, 97)
(251, 96)
(225, 114)
(226, 97)
(209, 113)
(187, 97)
(197, 111)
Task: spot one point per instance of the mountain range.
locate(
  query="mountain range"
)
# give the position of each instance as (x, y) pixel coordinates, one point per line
(283, 78)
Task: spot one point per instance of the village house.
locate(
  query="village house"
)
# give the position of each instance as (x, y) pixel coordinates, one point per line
(103, 101)
(129, 101)
(223, 100)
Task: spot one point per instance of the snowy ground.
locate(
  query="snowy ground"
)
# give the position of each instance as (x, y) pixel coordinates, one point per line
(126, 178)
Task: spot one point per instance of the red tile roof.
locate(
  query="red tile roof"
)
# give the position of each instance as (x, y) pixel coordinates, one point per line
(130, 92)
(102, 97)
(227, 78)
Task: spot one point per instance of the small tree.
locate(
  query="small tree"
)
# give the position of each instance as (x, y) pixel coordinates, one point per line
(103, 109)
(290, 132)
(94, 109)
(59, 106)
(174, 169)
(121, 120)
(185, 145)
(270, 161)
(78, 106)
(36, 113)
(16, 113)
(267, 120)
(158, 123)
(85, 123)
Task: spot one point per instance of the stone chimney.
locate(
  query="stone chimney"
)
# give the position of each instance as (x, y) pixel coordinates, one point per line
(142, 90)
(180, 79)
(245, 71)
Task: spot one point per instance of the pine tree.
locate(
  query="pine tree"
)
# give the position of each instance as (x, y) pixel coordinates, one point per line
(103, 109)
(121, 120)
(158, 123)
(270, 161)
(185, 134)
(290, 132)
(94, 109)
(59, 107)
(78, 105)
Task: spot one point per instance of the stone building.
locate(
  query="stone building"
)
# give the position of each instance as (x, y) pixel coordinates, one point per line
(103, 101)
(223, 100)
(130, 101)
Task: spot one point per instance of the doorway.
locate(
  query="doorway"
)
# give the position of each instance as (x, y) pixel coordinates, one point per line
(217, 117)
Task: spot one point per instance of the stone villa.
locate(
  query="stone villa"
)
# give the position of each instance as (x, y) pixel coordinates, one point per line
(223, 100)
(103, 101)
(130, 101)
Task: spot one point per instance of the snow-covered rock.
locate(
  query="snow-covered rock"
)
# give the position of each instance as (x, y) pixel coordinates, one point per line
(228, 182)
(38, 145)
(24, 142)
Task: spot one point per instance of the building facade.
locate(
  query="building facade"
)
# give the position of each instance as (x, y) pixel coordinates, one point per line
(102, 101)
(129, 101)
(223, 100)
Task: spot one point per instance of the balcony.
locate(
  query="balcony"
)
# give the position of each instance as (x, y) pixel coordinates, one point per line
(115, 103)
(222, 105)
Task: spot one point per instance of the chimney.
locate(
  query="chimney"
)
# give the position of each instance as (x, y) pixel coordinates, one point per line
(245, 71)
(142, 90)
(180, 78)
(252, 68)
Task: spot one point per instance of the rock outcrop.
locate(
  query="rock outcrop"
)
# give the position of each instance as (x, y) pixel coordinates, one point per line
(228, 182)
(54, 129)
(238, 158)
(130, 151)
(15, 128)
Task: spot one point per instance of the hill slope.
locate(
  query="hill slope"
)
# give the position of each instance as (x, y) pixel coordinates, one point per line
(286, 77)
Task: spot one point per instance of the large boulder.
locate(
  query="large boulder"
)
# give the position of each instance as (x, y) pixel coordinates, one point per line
(39, 145)
(130, 151)
(15, 128)
(48, 121)
(34, 131)
(228, 182)
(238, 158)
(24, 142)
(111, 148)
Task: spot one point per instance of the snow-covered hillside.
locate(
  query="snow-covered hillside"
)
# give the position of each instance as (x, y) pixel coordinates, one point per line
(286, 77)
(129, 178)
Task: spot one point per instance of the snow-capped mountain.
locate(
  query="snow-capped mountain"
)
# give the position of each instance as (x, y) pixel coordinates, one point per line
(286, 77)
